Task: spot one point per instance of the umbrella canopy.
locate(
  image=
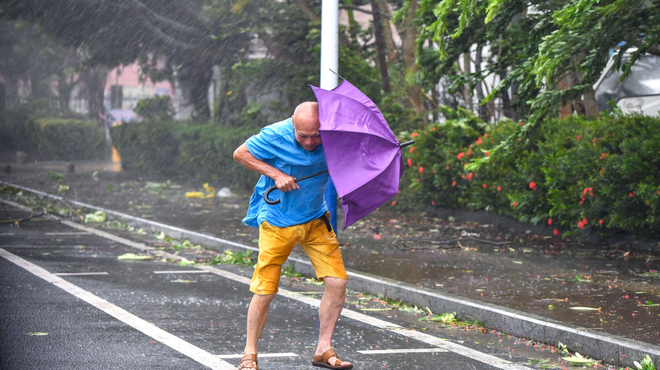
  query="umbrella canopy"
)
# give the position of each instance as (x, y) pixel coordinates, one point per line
(364, 157)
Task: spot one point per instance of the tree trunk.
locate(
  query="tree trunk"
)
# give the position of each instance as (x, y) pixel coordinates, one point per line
(94, 79)
(380, 46)
(590, 103)
(506, 102)
(483, 110)
(385, 10)
(408, 33)
(566, 82)
(64, 89)
(466, 88)
(353, 26)
(514, 100)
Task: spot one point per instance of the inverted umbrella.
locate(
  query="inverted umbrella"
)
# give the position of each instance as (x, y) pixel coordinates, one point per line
(363, 155)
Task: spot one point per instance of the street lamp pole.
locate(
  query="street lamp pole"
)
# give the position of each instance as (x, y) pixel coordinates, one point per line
(329, 70)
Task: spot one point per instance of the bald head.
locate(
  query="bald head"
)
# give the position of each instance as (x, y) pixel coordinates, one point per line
(306, 125)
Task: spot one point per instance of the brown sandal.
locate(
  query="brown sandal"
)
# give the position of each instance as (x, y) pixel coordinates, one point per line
(249, 362)
(323, 361)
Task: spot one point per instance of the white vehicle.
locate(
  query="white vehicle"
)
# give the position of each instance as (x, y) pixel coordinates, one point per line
(639, 92)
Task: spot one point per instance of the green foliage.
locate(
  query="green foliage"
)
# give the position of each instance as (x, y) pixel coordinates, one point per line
(234, 258)
(290, 271)
(599, 175)
(148, 147)
(69, 139)
(646, 364)
(178, 150)
(546, 52)
(158, 107)
(17, 131)
(206, 152)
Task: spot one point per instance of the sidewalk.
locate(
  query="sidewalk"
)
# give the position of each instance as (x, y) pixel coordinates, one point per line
(536, 274)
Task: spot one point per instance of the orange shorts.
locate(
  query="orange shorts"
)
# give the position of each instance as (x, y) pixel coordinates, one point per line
(276, 243)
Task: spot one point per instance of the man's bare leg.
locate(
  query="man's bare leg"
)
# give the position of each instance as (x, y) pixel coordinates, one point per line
(257, 317)
(331, 305)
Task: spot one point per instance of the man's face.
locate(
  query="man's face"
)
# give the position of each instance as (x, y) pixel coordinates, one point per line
(307, 135)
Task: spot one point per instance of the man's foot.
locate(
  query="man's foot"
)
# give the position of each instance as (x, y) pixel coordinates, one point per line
(330, 360)
(249, 362)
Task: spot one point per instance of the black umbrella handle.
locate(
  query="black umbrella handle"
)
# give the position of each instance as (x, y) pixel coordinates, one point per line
(277, 201)
(407, 143)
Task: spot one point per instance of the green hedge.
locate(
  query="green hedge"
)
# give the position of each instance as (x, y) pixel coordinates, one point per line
(178, 149)
(70, 139)
(578, 174)
(53, 138)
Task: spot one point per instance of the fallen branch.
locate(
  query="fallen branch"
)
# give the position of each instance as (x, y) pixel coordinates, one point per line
(442, 244)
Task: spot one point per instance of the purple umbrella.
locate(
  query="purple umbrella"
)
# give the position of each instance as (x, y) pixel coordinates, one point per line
(364, 157)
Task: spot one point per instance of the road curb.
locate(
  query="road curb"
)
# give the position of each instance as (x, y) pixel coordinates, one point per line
(603, 346)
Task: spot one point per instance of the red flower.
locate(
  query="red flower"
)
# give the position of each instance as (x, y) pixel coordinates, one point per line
(394, 203)
(470, 176)
(579, 137)
(409, 162)
(499, 188)
(432, 128)
(460, 155)
(485, 186)
(549, 221)
(486, 154)
(469, 153)
(521, 123)
(414, 134)
(433, 202)
(557, 232)
(594, 141)
(603, 156)
(532, 185)
(584, 220)
(421, 169)
(453, 183)
(600, 222)
(446, 168)
(515, 204)
(478, 142)
(485, 135)
(581, 224)
(412, 149)
(632, 194)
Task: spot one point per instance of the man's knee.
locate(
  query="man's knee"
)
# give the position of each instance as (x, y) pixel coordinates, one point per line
(262, 300)
(335, 285)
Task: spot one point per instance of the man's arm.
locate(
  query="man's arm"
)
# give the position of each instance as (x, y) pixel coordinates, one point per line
(283, 181)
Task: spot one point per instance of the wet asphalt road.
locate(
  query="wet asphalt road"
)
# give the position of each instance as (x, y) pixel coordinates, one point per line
(103, 313)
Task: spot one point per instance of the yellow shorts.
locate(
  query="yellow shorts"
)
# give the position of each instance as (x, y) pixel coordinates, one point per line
(276, 243)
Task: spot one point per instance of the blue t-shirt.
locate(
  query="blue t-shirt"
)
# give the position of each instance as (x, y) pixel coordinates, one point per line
(276, 145)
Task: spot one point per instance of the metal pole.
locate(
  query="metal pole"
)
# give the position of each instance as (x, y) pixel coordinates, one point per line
(330, 63)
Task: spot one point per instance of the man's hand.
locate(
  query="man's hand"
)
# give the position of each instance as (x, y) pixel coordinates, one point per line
(285, 182)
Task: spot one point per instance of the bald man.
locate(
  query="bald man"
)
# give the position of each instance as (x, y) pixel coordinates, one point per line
(282, 152)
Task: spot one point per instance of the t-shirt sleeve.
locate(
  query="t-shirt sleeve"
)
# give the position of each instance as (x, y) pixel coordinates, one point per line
(264, 144)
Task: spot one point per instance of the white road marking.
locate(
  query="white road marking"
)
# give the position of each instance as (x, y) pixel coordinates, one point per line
(261, 355)
(79, 273)
(381, 324)
(69, 233)
(181, 272)
(124, 316)
(403, 351)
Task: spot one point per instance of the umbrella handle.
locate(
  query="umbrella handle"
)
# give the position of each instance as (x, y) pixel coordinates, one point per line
(277, 201)
(407, 143)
